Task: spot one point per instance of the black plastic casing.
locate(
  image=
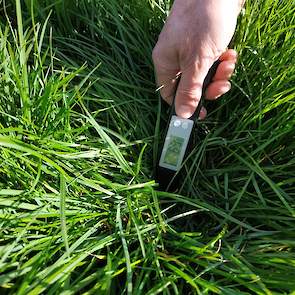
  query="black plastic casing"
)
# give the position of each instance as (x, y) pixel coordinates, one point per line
(168, 179)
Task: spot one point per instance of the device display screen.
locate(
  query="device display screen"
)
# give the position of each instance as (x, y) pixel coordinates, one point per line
(173, 151)
(176, 142)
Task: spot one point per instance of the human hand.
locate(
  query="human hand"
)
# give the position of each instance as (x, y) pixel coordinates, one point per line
(196, 33)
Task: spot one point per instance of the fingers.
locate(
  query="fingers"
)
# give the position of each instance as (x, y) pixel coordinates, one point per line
(166, 71)
(189, 90)
(166, 81)
(220, 84)
(229, 55)
(203, 113)
(217, 88)
(190, 86)
(224, 71)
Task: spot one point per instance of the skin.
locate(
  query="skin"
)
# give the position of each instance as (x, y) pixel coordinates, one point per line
(196, 33)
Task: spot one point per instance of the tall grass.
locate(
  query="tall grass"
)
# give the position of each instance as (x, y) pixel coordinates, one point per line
(80, 122)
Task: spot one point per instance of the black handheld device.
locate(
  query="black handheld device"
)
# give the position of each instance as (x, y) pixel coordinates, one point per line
(178, 137)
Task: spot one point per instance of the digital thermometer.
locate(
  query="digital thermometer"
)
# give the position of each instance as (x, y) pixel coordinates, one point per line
(177, 141)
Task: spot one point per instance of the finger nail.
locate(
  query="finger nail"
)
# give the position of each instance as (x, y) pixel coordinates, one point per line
(202, 114)
(224, 89)
(232, 66)
(185, 111)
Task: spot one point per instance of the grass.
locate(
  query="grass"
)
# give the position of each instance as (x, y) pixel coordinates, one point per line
(80, 212)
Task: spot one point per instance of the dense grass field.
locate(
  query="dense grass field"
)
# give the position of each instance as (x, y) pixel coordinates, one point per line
(80, 125)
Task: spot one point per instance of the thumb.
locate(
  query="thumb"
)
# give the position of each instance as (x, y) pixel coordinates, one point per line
(189, 90)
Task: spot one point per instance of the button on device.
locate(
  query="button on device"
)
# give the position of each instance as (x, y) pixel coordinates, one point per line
(177, 123)
(184, 125)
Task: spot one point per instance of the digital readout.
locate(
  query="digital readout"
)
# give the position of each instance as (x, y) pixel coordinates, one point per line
(173, 151)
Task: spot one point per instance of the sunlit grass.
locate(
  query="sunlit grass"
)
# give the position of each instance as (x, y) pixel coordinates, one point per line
(80, 212)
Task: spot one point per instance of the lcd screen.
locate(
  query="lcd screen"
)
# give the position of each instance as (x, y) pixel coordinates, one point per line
(173, 151)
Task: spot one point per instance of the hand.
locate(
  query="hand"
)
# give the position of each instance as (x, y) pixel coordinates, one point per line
(196, 33)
